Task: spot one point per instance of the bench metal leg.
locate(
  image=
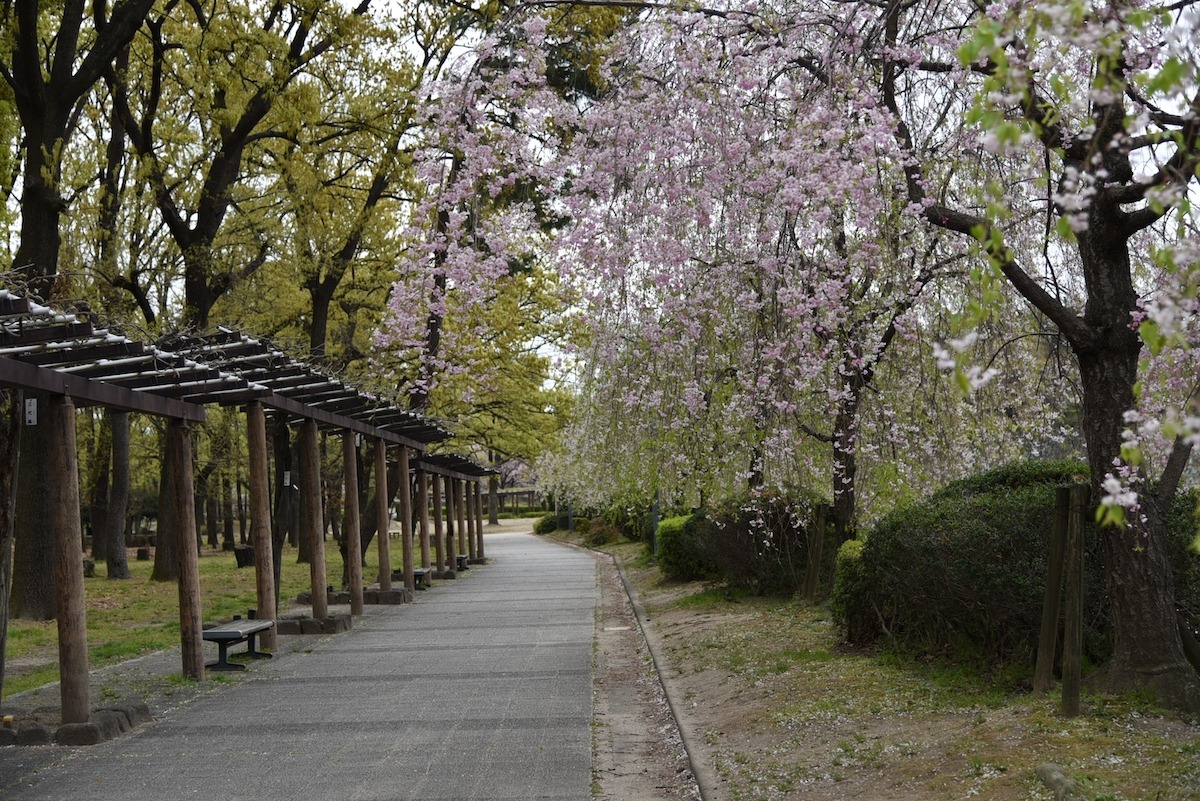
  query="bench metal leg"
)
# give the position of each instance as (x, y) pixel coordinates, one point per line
(223, 662)
(252, 651)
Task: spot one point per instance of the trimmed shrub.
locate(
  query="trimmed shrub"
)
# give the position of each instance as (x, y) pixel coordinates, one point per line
(601, 532)
(964, 571)
(759, 543)
(851, 599)
(681, 548)
(546, 524)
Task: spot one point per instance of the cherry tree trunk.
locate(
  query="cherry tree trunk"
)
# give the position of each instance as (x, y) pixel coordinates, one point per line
(1147, 650)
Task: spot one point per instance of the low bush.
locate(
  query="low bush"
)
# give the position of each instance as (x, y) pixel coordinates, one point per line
(759, 543)
(601, 532)
(964, 571)
(546, 524)
(850, 603)
(681, 552)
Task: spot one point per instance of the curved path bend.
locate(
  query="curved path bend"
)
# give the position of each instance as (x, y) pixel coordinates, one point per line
(480, 690)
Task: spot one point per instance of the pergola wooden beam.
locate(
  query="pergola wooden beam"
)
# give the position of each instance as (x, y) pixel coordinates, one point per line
(17, 374)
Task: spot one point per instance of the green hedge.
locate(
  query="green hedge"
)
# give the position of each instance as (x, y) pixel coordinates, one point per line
(964, 571)
(681, 552)
(759, 542)
(546, 524)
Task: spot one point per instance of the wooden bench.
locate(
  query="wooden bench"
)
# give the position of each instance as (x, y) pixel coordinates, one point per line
(421, 577)
(233, 632)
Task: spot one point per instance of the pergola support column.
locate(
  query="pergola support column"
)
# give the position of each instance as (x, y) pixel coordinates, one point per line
(423, 515)
(479, 520)
(188, 560)
(441, 548)
(381, 516)
(312, 525)
(68, 562)
(468, 497)
(460, 514)
(406, 530)
(260, 519)
(350, 530)
(451, 529)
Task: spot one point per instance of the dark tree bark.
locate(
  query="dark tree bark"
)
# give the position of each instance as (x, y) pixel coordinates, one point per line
(227, 515)
(166, 539)
(118, 496)
(99, 490)
(33, 555)
(283, 517)
(195, 230)
(11, 406)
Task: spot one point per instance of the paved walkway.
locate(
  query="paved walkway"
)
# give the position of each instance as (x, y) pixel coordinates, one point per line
(480, 690)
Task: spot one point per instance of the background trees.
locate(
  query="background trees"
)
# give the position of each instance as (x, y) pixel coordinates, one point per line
(761, 198)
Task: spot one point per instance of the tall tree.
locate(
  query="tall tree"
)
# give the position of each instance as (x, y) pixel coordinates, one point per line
(1094, 158)
(233, 63)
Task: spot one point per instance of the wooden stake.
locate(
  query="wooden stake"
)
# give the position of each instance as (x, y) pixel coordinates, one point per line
(1073, 617)
(260, 519)
(68, 562)
(1043, 672)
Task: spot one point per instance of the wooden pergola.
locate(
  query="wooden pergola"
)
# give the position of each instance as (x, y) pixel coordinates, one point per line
(66, 357)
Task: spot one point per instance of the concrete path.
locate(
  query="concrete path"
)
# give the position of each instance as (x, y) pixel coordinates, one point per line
(480, 690)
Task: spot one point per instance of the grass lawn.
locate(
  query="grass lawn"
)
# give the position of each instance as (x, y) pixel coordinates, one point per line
(137, 616)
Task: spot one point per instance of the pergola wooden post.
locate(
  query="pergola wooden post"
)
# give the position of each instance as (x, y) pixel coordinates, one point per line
(353, 539)
(460, 512)
(68, 562)
(451, 527)
(479, 520)
(312, 525)
(381, 516)
(439, 541)
(188, 560)
(406, 530)
(260, 518)
(423, 515)
(468, 497)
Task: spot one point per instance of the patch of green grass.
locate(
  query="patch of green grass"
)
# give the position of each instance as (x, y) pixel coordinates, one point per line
(130, 617)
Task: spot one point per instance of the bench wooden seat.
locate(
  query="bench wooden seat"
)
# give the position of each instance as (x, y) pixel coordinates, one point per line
(231, 633)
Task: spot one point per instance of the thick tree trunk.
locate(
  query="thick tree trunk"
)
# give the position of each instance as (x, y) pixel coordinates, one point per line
(118, 496)
(99, 488)
(1147, 650)
(11, 406)
(166, 540)
(33, 555)
(285, 498)
(227, 514)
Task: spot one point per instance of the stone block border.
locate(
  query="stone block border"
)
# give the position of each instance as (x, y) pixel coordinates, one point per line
(102, 725)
